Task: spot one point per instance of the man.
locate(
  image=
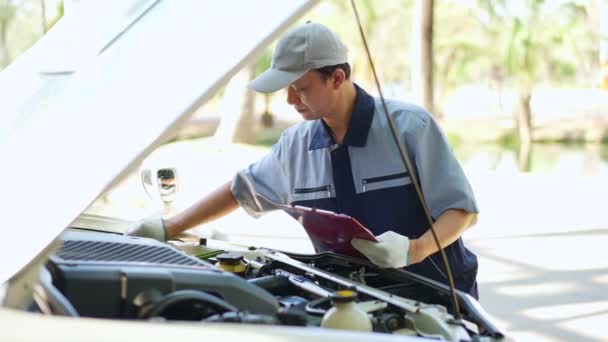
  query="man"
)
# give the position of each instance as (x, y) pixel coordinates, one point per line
(342, 158)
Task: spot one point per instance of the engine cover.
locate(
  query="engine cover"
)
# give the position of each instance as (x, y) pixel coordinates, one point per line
(107, 275)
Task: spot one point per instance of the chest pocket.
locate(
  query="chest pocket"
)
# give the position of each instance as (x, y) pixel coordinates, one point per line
(387, 181)
(311, 193)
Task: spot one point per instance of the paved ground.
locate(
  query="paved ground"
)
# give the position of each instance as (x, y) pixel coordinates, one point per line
(542, 243)
(547, 287)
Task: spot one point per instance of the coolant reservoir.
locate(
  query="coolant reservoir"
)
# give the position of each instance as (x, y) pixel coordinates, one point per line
(345, 314)
(232, 262)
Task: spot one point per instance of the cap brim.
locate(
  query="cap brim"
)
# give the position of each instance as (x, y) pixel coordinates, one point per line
(272, 80)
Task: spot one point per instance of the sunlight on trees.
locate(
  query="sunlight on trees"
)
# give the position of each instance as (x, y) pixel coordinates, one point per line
(540, 46)
(22, 23)
(499, 46)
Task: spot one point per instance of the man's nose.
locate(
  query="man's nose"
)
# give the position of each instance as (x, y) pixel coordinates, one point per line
(292, 97)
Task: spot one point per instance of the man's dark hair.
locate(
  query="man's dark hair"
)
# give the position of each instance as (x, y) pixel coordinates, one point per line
(327, 71)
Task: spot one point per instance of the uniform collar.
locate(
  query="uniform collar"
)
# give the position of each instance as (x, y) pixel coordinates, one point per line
(358, 127)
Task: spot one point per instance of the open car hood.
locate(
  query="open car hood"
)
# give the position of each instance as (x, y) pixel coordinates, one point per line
(103, 89)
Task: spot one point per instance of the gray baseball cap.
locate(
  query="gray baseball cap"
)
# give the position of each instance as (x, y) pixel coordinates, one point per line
(305, 47)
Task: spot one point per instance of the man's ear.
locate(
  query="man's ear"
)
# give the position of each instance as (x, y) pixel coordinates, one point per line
(338, 77)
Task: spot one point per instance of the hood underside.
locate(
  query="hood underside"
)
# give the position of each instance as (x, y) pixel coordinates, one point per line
(71, 130)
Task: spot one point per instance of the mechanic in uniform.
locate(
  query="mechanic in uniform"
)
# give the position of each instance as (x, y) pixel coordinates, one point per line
(342, 158)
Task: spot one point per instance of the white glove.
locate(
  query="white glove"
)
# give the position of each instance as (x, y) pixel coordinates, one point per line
(391, 250)
(150, 227)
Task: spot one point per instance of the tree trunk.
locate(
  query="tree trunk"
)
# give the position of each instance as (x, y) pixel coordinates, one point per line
(237, 110)
(524, 157)
(422, 66)
(245, 126)
(523, 123)
(267, 118)
(440, 89)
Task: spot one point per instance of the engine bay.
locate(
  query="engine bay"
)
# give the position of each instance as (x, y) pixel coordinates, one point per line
(112, 276)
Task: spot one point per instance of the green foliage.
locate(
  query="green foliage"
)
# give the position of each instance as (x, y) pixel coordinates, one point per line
(459, 45)
(21, 23)
(387, 27)
(268, 137)
(567, 70)
(474, 41)
(604, 151)
(60, 12)
(509, 140)
(543, 38)
(454, 139)
(264, 62)
(7, 10)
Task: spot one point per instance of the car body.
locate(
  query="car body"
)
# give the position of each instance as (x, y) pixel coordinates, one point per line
(128, 75)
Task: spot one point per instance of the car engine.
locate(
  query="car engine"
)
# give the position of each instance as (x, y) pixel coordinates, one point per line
(113, 276)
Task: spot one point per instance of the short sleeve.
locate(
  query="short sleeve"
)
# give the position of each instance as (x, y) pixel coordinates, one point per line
(442, 179)
(264, 179)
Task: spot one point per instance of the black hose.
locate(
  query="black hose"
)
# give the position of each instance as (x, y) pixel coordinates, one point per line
(313, 306)
(183, 296)
(271, 283)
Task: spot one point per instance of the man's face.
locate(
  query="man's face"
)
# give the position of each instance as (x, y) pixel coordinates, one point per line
(312, 96)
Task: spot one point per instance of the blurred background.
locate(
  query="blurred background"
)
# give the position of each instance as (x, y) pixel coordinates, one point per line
(520, 88)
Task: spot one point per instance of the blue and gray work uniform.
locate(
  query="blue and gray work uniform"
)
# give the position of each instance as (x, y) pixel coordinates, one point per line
(365, 178)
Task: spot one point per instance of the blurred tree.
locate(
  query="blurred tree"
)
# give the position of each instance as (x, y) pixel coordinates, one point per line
(386, 34)
(7, 12)
(422, 53)
(539, 39)
(384, 31)
(245, 130)
(264, 63)
(237, 110)
(459, 49)
(22, 23)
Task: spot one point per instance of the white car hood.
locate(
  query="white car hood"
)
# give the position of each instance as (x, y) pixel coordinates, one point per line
(74, 123)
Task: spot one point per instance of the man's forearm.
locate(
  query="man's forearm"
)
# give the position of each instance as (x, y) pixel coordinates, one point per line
(449, 226)
(217, 204)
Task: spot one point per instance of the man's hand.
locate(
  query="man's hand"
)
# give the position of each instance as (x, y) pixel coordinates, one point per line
(150, 227)
(391, 250)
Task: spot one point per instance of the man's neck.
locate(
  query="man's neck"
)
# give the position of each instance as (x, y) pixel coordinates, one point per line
(340, 117)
